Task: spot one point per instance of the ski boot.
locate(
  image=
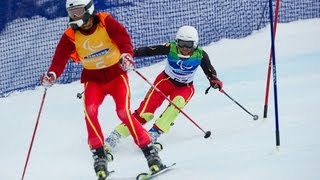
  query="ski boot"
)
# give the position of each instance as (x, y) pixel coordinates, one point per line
(153, 159)
(112, 140)
(100, 163)
(155, 134)
(108, 153)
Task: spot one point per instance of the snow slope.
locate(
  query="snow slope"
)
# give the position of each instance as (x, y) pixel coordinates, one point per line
(240, 148)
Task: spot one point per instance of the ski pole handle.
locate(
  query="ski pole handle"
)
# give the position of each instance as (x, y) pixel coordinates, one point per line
(207, 90)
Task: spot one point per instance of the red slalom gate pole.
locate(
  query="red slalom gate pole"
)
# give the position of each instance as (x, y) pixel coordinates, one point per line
(265, 111)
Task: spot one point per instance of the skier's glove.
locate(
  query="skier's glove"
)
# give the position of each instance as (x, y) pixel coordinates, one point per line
(126, 62)
(216, 83)
(48, 79)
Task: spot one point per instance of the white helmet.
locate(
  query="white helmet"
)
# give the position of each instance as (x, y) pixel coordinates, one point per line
(79, 12)
(188, 33)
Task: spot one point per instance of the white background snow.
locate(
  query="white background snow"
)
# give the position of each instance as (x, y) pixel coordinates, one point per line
(240, 148)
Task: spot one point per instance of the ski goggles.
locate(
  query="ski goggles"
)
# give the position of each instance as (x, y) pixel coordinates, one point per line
(79, 15)
(185, 44)
(77, 12)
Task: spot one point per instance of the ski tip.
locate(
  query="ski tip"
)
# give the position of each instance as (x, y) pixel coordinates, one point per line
(172, 164)
(147, 176)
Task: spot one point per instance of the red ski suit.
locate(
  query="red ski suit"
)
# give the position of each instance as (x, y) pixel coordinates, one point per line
(154, 99)
(99, 52)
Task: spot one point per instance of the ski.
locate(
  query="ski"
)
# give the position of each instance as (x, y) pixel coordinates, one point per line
(147, 176)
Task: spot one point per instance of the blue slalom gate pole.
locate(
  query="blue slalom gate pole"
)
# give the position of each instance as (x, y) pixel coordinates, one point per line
(274, 75)
(266, 99)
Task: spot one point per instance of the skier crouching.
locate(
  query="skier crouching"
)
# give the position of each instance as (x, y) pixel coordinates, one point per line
(184, 56)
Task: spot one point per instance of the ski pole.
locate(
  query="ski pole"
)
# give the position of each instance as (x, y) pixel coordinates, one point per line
(34, 134)
(255, 117)
(79, 95)
(207, 133)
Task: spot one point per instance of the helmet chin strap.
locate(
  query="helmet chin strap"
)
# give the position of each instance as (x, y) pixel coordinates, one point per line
(77, 24)
(183, 56)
